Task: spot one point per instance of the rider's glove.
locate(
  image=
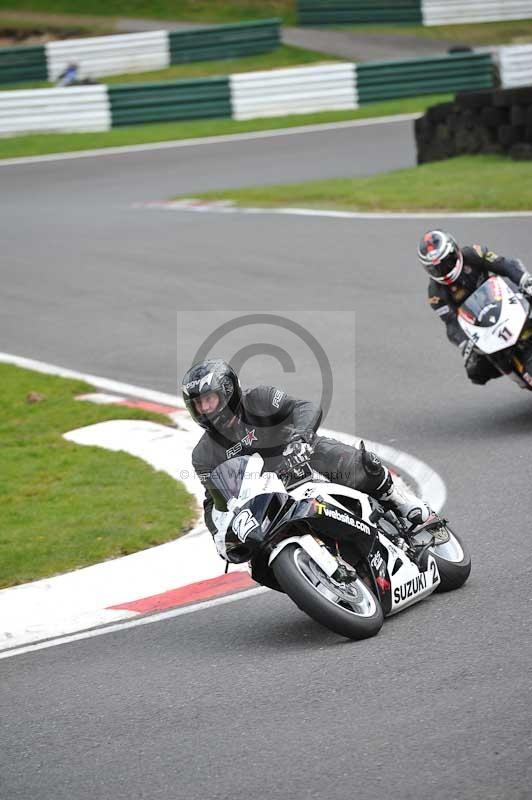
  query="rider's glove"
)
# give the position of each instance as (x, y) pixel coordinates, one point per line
(296, 453)
(525, 284)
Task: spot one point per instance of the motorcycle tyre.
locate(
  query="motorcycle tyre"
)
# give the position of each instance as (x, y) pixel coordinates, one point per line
(453, 574)
(319, 608)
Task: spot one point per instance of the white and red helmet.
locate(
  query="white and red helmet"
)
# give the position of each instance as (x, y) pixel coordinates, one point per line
(441, 256)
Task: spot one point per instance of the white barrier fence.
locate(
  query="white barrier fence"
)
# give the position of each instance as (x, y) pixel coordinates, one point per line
(300, 90)
(449, 12)
(110, 55)
(515, 64)
(84, 108)
(297, 90)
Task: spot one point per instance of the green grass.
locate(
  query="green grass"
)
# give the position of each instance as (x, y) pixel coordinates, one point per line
(484, 33)
(284, 56)
(220, 11)
(15, 87)
(17, 23)
(468, 183)
(40, 144)
(65, 505)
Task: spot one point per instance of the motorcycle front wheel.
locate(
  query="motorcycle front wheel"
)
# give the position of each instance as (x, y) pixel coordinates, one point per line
(349, 609)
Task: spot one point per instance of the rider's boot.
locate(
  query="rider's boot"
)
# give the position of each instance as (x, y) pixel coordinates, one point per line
(404, 503)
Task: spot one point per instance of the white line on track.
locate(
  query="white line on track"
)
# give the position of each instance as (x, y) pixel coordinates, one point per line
(222, 207)
(208, 140)
(132, 623)
(101, 383)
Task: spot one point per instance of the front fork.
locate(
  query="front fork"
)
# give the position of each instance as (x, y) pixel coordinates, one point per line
(318, 553)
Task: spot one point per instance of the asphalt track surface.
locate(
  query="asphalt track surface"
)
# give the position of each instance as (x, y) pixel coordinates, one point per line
(252, 698)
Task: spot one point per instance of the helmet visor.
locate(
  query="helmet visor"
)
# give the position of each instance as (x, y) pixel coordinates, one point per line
(448, 269)
(208, 403)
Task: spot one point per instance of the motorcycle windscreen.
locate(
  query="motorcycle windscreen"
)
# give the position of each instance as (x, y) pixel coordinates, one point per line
(483, 308)
(225, 481)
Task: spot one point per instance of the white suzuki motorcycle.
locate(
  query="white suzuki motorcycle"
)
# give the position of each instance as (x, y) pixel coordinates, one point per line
(496, 318)
(334, 551)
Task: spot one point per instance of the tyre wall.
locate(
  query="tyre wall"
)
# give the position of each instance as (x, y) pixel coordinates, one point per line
(490, 121)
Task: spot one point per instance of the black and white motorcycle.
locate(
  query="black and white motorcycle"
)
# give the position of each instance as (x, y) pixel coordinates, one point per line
(497, 320)
(334, 551)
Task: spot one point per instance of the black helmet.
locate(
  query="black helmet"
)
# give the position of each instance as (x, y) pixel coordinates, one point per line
(210, 376)
(441, 256)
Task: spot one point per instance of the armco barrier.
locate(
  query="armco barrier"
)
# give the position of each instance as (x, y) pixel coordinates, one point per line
(109, 55)
(293, 91)
(84, 108)
(389, 79)
(297, 90)
(448, 12)
(225, 41)
(498, 121)
(515, 65)
(18, 64)
(427, 12)
(169, 100)
(344, 12)
(137, 52)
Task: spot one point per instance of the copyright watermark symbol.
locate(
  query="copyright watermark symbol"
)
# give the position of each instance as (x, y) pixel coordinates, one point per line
(304, 355)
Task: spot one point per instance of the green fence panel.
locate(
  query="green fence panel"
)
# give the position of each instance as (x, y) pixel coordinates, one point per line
(225, 41)
(21, 64)
(344, 12)
(135, 103)
(389, 79)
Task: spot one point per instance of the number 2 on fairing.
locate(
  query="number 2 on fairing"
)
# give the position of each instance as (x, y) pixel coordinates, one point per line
(244, 523)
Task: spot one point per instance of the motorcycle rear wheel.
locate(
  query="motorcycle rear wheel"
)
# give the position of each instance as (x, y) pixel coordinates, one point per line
(453, 562)
(349, 609)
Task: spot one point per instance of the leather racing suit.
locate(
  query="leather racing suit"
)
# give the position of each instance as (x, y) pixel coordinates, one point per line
(268, 421)
(479, 264)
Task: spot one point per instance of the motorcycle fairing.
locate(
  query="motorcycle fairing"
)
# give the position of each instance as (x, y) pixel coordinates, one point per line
(483, 307)
(236, 480)
(340, 518)
(269, 515)
(279, 516)
(409, 584)
(397, 581)
(493, 317)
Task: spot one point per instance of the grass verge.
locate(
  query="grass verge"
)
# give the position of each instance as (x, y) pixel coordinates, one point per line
(482, 33)
(221, 11)
(467, 183)
(19, 87)
(43, 143)
(64, 505)
(283, 56)
(26, 26)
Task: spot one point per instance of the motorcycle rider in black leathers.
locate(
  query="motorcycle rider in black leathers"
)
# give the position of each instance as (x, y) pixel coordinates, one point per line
(282, 429)
(455, 273)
